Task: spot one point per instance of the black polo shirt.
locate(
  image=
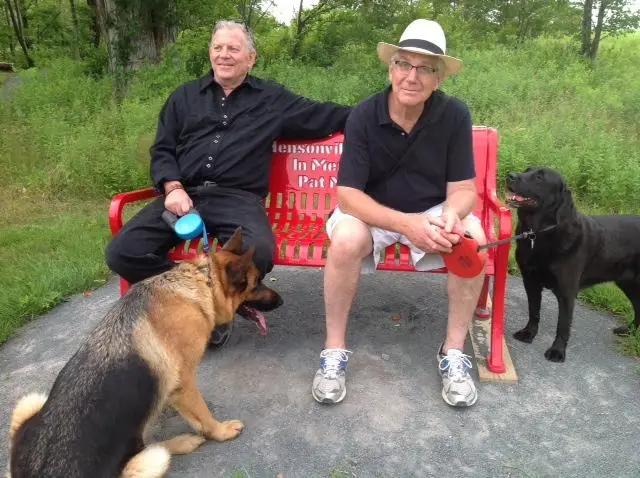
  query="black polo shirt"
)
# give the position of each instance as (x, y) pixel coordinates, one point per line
(374, 143)
(204, 135)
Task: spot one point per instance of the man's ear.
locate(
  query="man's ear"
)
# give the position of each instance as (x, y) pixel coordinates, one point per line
(234, 244)
(237, 270)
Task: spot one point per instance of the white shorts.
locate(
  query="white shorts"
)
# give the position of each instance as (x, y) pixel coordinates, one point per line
(382, 238)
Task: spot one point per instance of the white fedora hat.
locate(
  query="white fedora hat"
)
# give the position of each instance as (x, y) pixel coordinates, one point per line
(425, 37)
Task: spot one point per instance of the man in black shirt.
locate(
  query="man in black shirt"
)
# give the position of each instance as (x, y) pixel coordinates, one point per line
(406, 175)
(213, 152)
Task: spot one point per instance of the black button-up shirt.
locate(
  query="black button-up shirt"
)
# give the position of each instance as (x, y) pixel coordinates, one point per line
(204, 135)
(374, 143)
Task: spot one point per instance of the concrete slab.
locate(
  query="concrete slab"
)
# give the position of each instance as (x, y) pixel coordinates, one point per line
(580, 418)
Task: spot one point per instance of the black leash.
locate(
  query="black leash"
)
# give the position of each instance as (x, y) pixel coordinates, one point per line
(530, 234)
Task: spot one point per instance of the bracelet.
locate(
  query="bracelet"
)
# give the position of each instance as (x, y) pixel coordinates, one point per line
(179, 186)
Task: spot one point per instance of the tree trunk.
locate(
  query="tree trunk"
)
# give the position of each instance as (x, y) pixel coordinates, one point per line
(593, 52)
(95, 24)
(105, 11)
(74, 20)
(12, 44)
(132, 37)
(16, 17)
(297, 40)
(149, 42)
(586, 28)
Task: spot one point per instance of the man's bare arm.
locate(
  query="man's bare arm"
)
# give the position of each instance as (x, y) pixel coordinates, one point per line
(461, 197)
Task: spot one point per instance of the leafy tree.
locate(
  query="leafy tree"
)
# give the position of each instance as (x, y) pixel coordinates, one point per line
(613, 17)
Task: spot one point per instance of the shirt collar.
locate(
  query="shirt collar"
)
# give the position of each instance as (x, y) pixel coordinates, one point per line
(207, 80)
(382, 107)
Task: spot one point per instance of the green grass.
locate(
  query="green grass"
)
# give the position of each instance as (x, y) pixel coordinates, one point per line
(69, 147)
(47, 253)
(3, 77)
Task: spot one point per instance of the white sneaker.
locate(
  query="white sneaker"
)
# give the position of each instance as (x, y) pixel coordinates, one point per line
(458, 388)
(329, 383)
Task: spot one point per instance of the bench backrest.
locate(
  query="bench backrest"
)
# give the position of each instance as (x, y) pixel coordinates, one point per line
(304, 173)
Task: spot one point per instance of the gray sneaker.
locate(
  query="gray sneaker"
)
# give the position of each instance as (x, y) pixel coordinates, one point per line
(329, 382)
(458, 388)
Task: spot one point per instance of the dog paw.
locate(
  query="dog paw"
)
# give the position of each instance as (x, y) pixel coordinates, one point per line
(524, 335)
(227, 430)
(554, 355)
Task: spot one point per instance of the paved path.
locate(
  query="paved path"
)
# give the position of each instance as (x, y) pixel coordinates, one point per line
(577, 419)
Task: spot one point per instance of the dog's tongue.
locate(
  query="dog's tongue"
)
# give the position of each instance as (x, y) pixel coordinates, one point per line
(255, 316)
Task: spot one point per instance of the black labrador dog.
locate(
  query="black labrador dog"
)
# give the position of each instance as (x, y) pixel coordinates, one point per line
(571, 251)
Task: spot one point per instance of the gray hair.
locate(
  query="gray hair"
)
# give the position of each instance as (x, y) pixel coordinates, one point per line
(230, 24)
(440, 67)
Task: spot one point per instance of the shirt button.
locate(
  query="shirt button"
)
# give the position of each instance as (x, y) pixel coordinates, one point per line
(215, 141)
(224, 116)
(208, 165)
(224, 123)
(210, 158)
(217, 136)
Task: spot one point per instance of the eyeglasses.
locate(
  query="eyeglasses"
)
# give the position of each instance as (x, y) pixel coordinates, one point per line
(422, 70)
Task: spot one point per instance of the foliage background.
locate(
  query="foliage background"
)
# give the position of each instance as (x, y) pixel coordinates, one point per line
(74, 131)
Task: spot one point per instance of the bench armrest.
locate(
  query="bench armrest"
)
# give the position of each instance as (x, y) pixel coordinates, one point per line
(119, 201)
(503, 213)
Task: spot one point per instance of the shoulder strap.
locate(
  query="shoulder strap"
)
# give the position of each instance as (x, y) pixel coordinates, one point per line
(421, 134)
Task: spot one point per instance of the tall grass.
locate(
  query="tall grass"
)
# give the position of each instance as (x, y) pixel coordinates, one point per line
(64, 142)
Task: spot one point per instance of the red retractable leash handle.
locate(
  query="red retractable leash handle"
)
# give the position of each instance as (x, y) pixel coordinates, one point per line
(467, 259)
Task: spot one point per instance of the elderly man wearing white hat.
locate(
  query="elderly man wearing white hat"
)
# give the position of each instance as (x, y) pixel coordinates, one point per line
(406, 175)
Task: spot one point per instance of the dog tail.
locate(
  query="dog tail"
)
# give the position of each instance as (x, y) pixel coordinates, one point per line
(152, 462)
(26, 407)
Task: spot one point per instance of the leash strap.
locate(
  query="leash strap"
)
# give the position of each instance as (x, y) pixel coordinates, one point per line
(530, 234)
(205, 239)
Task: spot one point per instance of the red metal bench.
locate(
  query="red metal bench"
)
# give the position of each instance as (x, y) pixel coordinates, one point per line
(302, 194)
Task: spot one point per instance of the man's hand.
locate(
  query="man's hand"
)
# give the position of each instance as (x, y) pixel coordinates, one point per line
(451, 223)
(428, 234)
(176, 199)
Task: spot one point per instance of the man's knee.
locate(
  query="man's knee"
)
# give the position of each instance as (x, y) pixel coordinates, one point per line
(350, 240)
(473, 227)
(114, 258)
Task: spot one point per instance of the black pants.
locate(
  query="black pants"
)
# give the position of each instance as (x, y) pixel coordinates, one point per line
(140, 248)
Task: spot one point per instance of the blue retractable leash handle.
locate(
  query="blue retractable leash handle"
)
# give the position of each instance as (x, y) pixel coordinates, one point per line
(188, 226)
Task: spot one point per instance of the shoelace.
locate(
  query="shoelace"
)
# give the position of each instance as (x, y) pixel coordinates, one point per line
(455, 365)
(333, 358)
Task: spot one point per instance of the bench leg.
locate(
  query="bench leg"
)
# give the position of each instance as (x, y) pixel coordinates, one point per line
(495, 360)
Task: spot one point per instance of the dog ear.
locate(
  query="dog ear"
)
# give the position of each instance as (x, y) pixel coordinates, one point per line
(237, 270)
(565, 206)
(234, 244)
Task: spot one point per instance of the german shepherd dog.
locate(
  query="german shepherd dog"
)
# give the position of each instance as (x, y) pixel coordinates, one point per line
(571, 251)
(141, 357)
